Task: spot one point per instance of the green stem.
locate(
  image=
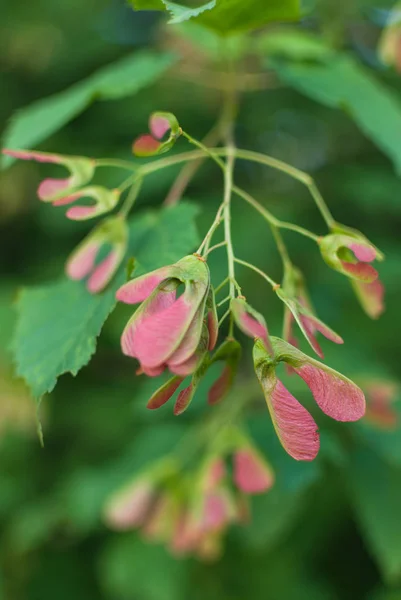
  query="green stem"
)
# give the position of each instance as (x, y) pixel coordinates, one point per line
(179, 158)
(321, 204)
(129, 181)
(221, 285)
(130, 199)
(226, 299)
(228, 311)
(298, 229)
(211, 153)
(216, 222)
(119, 164)
(228, 185)
(273, 283)
(237, 287)
(281, 247)
(189, 170)
(263, 159)
(276, 164)
(271, 219)
(170, 161)
(228, 170)
(219, 245)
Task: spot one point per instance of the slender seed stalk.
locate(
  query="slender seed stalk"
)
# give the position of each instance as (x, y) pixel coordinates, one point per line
(131, 197)
(215, 247)
(273, 283)
(190, 169)
(116, 163)
(271, 219)
(228, 185)
(321, 204)
(224, 317)
(221, 285)
(250, 155)
(226, 299)
(281, 247)
(217, 221)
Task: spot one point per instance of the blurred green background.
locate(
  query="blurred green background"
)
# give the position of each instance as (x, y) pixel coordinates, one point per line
(328, 530)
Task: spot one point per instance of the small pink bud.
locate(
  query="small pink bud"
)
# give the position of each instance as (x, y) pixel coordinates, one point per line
(230, 353)
(217, 511)
(380, 396)
(158, 526)
(371, 297)
(350, 255)
(145, 145)
(184, 399)
(81, 172)
(82, 262)
(166, 330)
(250, 322)
(214, 473)
(104, 271)
(252, 474)
(301, 311)
(164, 393)
(185, 536)
(159, 125)
(220, 387)
(105, 201)
(128, 509)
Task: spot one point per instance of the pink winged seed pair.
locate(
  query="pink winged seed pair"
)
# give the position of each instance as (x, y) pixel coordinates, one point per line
(67, 191)
(166, 332)
(349, 253)
(192, 521)
(336, 395)
(169, 330)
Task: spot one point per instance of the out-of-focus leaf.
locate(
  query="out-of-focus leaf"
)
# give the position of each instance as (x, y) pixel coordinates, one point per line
(62, 575)
(58, 323)
(129, 569)
(341, 82)
(386, 443)
(273, 514)
(227, 16)
(35, 123)
(32, 525)
(384, 594)
(376, 494)
(293, 44)
(210, 42)
(372, 190)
